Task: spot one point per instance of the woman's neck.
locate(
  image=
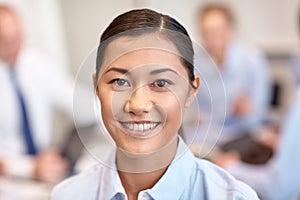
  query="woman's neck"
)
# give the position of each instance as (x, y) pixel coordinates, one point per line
(133, 183)
(141, 172)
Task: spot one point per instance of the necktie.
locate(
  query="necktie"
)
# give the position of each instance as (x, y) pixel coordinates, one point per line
(31, 149)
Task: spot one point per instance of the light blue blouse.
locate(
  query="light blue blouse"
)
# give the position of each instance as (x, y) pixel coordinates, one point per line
(187, 178)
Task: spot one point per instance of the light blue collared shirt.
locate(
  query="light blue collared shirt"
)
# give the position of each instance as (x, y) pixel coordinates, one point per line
(187, 178)
(296, 69)
(279, 179)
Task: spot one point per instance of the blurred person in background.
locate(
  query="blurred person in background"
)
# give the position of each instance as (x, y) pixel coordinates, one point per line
(296, 59)
(279, 178)
(29, 88)
(243, 69)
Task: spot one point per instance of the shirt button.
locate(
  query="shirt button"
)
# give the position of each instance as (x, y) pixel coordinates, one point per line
(146, 196)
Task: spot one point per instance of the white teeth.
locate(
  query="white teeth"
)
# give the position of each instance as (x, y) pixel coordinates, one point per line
(131, 126)
(152, 125)
(140, 127)
(135, 127)
(146, 126)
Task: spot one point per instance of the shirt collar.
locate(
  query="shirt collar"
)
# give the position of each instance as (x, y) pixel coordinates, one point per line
(171, 184)
(173, 180)
(110, 182)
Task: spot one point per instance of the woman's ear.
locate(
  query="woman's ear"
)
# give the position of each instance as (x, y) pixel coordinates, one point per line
(193, 92)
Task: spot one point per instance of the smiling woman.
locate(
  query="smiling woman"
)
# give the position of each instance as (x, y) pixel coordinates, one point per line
(131, 98)
(144, 80)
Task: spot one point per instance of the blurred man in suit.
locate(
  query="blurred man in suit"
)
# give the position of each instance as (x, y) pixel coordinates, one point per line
(30, 87)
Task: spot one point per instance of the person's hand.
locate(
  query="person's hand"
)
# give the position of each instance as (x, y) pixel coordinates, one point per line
(50, 166)
(226, 159)
(268, 137)
(242, 106)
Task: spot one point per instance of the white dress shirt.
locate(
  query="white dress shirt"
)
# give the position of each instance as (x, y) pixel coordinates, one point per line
(43, 86)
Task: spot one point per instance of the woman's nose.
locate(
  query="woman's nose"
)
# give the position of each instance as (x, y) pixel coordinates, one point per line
(139, 101)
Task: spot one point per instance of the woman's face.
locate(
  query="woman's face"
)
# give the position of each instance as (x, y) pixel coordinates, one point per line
(142, 95)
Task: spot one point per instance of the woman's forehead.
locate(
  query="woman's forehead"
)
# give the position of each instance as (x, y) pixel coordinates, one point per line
(143, 45)
(148, 56)
(147, 61)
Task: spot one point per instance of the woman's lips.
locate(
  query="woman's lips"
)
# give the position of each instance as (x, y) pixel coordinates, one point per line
(139, 129)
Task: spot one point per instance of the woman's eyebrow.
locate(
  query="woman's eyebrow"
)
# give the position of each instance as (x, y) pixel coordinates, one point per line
(157, 71)
(120, 70)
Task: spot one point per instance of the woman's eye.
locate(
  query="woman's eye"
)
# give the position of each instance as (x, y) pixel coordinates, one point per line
(119, 82)
(160, 83)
